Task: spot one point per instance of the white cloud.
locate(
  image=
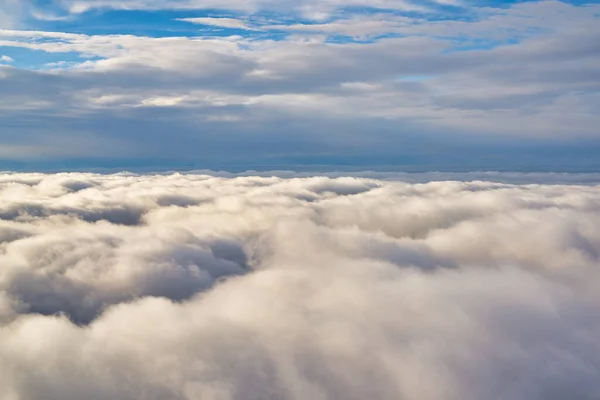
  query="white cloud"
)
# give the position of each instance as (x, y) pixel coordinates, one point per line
(309, 8)
(219, 22)
(6, 59)
(528, 80)
(335, 288)
(542, 86)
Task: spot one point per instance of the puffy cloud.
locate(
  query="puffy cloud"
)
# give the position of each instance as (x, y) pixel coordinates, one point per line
(245, 287)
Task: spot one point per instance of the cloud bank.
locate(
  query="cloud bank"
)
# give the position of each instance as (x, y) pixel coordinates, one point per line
(280, 84)
(204, 287)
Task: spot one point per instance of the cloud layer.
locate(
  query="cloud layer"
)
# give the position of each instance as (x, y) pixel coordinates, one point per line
(197, 286)
(292, 83)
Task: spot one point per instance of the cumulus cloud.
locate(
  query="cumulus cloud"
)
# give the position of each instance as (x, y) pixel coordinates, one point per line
(190, 286)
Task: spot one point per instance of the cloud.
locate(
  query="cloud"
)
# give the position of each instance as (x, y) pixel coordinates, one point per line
(198, 286)
(10, 11)
(308, 8)
(6, 59)
(514, 86)
(219, 22)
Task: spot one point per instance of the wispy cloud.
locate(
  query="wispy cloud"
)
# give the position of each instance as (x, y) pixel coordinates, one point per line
(522, 73)
(219, 22)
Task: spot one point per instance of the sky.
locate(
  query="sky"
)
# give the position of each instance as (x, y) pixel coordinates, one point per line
(444, 85)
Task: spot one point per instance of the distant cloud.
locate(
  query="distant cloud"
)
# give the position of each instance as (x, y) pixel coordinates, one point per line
(196, 286)
(316, 9)
(514, 86)
(219, 22)
(6, 59)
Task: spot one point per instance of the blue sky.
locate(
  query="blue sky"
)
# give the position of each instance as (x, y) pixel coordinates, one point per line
(330, 84)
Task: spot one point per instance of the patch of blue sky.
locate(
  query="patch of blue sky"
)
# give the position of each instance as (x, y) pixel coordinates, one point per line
(168, 23)
(44, 6)
(473, 44)
(275, 36)
(509, 37)
(345, 39)
(38, 60)
(432, 11)
(159, 24)
(427, 13)
(499, 4)
(581, 2)
(365, 10)
(128, 22)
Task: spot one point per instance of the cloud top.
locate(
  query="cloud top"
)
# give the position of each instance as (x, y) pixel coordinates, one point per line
(198, 286)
